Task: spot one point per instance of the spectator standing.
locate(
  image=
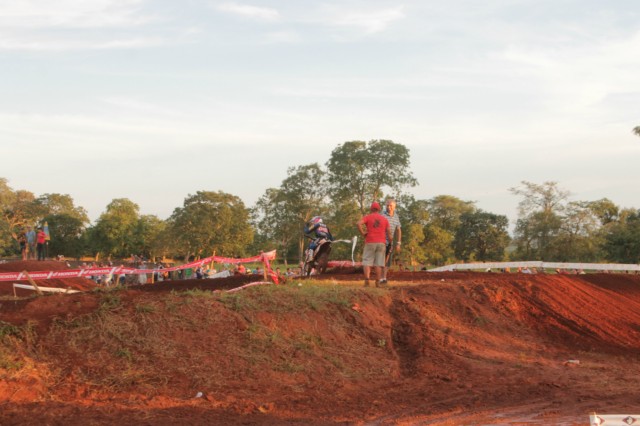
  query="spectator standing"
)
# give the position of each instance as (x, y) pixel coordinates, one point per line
(395, 229)
(30, 235)
(374, 227)
(41, 239)
(22, 240)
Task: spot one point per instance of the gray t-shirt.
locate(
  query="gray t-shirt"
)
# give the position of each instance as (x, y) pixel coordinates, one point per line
(394, 222)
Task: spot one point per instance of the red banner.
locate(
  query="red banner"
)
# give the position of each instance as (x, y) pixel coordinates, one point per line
(117, 270)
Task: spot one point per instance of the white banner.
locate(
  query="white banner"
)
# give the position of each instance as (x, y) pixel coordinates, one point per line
(613, 419)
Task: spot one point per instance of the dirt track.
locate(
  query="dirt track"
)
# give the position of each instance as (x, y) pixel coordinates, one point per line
(437, 348)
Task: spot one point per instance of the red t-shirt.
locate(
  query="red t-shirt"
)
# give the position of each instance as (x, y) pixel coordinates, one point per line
(41, 237)
(377, 226)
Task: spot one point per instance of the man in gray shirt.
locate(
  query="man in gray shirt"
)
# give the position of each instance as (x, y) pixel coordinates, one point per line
(31, 242)
(396, 233)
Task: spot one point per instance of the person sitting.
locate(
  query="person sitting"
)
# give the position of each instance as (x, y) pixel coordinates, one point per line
(317, 231)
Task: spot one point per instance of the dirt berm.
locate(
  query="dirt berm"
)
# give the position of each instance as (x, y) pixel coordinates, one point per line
(434, 349)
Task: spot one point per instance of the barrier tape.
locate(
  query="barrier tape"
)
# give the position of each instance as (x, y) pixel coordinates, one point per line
(111, 270)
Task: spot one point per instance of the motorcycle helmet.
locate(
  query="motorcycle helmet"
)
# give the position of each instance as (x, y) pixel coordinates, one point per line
(315, 220)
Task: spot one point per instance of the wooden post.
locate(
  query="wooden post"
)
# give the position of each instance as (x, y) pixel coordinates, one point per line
(33, 283)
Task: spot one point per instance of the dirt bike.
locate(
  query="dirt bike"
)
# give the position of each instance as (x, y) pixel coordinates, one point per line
(317, 260)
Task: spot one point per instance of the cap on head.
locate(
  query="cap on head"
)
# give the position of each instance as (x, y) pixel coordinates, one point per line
(375, 206)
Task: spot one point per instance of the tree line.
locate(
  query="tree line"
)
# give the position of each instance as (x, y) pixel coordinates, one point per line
(436, 231)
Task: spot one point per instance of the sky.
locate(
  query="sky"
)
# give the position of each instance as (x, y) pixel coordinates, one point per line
(155, 100)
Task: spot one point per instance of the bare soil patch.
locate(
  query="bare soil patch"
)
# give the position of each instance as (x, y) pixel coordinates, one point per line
(435, 349)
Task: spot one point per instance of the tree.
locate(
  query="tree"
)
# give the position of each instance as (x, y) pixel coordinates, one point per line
(414, 216)
(578, 239)
(444, 212)
(539, 218)
(17, 209)
(622, 238)
(636, 130)
(66, 233)
(481, 236)
(113, 233)
(59, 204)
(359, 171)
(210, 221)
(66, 223)
(605, 210)
(148, 237)
(304, 192)
(276, 224)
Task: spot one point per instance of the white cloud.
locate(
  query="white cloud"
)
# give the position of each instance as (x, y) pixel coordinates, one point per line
(42, 25)
(283, 37)
(370, 22)
(70, 13)
(39, 44)
(252, 12)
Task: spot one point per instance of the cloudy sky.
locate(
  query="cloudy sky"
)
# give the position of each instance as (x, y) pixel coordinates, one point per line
(154, 100)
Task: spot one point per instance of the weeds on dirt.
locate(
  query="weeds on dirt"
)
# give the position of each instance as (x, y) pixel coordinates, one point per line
(15, 340)
(287, 299)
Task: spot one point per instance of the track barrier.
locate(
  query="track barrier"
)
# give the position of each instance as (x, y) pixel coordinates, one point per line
(118, 270)
(613, 419)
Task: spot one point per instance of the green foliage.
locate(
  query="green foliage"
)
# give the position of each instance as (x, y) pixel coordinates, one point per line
(148, 237)
(445, 212)
(442, 222)
(17, 210)
(622, 239)
(211, 221)
(359, 171)
(481, 236)
(66, 233)
(114, 232)
(281, 213)
(539, 219)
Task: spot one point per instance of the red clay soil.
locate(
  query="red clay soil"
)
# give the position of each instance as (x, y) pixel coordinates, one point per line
(454, 348)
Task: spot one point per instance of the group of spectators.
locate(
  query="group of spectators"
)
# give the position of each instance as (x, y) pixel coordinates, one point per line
(33, 241)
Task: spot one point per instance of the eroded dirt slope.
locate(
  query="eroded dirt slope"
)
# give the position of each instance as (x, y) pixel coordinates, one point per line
(445, 348)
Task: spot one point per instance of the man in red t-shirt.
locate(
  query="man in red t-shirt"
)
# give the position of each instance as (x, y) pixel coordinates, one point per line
(41, 238)
(374, 227)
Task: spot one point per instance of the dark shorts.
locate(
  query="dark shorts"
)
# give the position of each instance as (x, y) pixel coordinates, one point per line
(388, 255)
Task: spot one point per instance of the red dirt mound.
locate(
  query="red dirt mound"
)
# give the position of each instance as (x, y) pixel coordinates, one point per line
(6, 287)
(436, 349)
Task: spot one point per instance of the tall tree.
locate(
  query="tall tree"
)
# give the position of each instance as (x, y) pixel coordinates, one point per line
(579, 237)
(444, 213)
(605, 210)
(66, 223)
(481, 236)
(276, 225)
(17, 209)
(147, 237)
(622, 238)
(539, 218)
(360, 171)
(414, 217)
(304, 192)
(210, 221)
(59, 204)
(114, 231)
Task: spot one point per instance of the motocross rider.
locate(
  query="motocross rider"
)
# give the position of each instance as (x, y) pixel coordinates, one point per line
(317, 230)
